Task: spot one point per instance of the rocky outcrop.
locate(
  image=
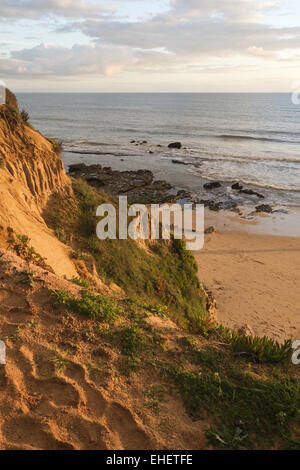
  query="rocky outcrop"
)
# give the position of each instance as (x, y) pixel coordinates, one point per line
(139, 185)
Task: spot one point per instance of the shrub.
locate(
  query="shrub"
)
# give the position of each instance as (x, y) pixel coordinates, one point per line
(96, 307)
(131, 339)
(24, 250)
(24, 116)
(258, 349)
(261, 349)
(57, 145)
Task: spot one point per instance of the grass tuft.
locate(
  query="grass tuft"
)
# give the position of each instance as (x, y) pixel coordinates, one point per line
(94, 306)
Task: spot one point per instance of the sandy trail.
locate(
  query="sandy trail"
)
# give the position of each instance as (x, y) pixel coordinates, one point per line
(255, 280)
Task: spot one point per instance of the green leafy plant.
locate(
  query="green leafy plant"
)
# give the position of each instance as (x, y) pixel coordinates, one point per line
(24, 250)
(132, 339)
(96, 307)
(79, 281)
(60, 362)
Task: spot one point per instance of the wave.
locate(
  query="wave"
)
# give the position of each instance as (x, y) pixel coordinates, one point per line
(197, 153)
(77, 143)
(251, 137)
(103, 152)
(248, 182)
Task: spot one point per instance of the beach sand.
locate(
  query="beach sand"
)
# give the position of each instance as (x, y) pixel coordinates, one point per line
(253, 274)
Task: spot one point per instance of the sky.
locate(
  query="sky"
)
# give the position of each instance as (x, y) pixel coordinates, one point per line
(150, 46)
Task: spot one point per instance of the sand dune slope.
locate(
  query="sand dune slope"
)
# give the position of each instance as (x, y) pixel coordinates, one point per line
(60, 388)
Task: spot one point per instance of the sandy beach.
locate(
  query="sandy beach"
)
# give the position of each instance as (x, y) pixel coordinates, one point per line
(253, 274)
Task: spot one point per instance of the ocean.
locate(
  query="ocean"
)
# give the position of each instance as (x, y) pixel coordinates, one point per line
(253, 139)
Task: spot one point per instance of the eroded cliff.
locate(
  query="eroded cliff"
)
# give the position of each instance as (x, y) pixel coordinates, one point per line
(30, 171)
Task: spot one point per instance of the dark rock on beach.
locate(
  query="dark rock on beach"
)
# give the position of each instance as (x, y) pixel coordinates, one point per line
(213, 185)
(264, 208)
(219, 205)
(250, 192)
(179, 162)
(237, 186)
(139, 185)
(175, 145)
(183, 194)
(210, 230)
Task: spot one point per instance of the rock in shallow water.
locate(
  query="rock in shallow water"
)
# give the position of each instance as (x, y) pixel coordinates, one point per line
(175, 145)
(213, 185)
(237, 186)
(179, 162)
(264, 208)
(250, 192)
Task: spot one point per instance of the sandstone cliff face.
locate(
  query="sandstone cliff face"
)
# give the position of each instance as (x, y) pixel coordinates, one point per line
(30, 172)
(11, 100)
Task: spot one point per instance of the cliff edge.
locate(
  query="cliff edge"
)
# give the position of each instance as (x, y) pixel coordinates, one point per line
(30, 171)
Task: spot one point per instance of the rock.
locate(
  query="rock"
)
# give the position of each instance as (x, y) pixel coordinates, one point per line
(138, 185)
(221, 205)
(132, 142)
(179, 162)
(76, 168)
(175, 145)
(210, 230)
(250, 192)
(237, 186)
(151, 151)
(213, 185)
(264, 208)
(245, 330)
(211, 205)
(183, 194)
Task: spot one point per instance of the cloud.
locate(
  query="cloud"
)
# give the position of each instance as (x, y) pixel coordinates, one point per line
(54, 60)
(190, 33)
(35, 9)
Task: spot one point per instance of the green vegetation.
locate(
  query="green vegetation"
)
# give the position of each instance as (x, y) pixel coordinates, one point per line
(81, 282)
(24, 116)
(165, 273)
(60, 362)
(242, 385)
(255, 348)
(249, 411)
(29, 278)
(96, 307)
(21, 246)
(132, 339)
(57, 145)
(261, 349)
